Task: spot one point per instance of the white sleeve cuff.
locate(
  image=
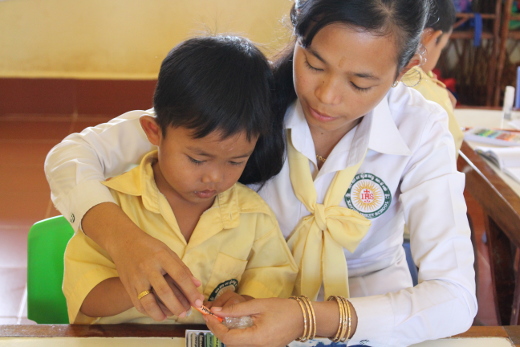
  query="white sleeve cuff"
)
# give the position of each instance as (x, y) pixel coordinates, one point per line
(81, 199)
(373, 313)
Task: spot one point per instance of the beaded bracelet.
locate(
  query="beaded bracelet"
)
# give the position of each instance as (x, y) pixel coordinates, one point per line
(345, 320)
(309, 318)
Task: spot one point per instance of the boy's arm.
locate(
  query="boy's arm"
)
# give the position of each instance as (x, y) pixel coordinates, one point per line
(108, 298)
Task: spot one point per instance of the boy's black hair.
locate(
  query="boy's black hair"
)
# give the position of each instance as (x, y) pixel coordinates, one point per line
(404, 19)
(441, 16)
(224, 84)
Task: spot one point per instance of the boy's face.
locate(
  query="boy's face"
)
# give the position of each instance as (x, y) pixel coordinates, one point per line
(196, 170)
(434, 46)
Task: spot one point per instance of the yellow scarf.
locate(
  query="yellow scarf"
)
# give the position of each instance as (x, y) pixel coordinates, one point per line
(318, 240)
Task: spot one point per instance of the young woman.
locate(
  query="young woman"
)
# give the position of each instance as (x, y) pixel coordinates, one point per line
(362, 149)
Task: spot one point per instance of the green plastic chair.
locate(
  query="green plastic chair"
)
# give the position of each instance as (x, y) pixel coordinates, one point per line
(46, 244)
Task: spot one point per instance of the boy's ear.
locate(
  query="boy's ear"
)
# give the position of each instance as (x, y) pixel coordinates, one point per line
(151, 129)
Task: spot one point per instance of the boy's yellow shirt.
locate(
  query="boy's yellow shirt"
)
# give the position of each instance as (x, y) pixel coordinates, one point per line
(236, 241)
(433, 89)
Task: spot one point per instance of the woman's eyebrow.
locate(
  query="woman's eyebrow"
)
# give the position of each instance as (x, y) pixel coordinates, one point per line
(317, 55)
(366, 75)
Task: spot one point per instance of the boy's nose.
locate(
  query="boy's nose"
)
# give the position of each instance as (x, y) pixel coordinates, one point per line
(213, 175)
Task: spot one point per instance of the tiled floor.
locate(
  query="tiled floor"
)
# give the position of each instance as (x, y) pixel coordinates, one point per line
(24, 199)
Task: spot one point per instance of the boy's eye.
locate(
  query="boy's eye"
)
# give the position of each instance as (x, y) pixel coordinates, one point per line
(195, 161)
(312, 67)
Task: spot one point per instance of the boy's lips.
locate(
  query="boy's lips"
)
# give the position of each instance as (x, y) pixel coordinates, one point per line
(205, 194)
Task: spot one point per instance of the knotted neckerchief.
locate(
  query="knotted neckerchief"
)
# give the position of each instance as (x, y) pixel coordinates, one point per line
(319, 238)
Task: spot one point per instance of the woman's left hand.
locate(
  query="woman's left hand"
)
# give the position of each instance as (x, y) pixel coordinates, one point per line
(277, 322)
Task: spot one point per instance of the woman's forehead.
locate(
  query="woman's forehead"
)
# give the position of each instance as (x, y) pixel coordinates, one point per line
(345, 46)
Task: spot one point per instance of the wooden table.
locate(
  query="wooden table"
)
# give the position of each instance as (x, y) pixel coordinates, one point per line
(508, 333)
(501, 206)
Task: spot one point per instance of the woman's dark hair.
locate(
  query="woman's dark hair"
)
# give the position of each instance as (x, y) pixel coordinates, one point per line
(403, 19)
(442, 15)
(224, 84)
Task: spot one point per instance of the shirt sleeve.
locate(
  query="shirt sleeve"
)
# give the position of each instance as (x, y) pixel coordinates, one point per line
(435, 91)
(444, 302)
(271, 270)
(85, 266)
(76, 166)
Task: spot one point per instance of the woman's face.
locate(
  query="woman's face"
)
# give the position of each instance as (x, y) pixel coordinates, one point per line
(343, 75)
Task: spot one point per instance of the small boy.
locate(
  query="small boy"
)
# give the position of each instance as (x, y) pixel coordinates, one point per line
(435, 37)
(212, 113)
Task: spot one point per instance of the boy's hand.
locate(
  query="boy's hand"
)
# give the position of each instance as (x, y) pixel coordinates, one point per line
(227, 299)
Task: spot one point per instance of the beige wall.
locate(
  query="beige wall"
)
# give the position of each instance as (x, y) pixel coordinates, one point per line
(123, 39)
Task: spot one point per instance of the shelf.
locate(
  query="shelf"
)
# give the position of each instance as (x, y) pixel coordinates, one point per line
(469, 35)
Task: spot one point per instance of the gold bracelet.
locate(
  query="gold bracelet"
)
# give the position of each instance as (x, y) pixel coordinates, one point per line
(312, 320)
(342, 326)
(349, 320)
(309, 318)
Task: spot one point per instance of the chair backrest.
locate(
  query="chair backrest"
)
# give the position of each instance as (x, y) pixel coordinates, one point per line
(46, 244)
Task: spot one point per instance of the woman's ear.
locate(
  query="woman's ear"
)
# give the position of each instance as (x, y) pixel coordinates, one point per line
(415, 61)
(151, 129)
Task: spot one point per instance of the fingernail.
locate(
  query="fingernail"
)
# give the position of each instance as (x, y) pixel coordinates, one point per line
(182, 315)
(198, 303)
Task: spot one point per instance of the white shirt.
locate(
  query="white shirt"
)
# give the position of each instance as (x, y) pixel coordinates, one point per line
(410, 178)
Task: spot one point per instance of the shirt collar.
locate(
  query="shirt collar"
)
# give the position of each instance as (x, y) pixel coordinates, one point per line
(384, 136)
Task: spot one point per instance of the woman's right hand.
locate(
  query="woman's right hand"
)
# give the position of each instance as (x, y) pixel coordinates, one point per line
(142, 263)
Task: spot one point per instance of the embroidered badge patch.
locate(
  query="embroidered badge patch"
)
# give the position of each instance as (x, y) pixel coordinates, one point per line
(223, 287)
(368, 195)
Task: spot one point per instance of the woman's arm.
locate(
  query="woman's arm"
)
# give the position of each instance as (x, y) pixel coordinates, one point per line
(74, 170)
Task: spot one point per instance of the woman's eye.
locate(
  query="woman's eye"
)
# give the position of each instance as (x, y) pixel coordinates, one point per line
(237, 163)
(312, 67)
(359, 88)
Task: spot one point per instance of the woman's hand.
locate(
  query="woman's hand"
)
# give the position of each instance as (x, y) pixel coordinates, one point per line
(277, 322)
(142, 263)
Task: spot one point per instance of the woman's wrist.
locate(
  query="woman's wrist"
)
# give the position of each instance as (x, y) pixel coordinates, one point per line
(328, 318)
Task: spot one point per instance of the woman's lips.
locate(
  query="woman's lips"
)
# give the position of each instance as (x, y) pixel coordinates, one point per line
(320, 116)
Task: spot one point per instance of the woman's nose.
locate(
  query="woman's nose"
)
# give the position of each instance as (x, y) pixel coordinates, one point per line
(328, 92)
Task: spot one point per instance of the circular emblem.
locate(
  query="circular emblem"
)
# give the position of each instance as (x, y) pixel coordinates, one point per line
(231, 284)
(368, 195)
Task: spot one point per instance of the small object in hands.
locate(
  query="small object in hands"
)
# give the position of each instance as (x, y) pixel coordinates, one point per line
(143, 294)
(238, 322)
(204, 310)
(230, 322)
